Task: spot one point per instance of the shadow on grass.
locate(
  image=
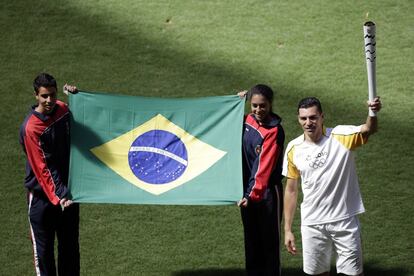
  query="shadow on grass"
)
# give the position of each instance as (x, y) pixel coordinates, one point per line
(211, 271)
(369, 270)
(137, 60)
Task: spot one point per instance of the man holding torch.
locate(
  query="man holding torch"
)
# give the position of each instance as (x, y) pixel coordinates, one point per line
(324, 161)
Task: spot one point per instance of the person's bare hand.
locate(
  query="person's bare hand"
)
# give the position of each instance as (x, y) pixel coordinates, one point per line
(375, 105)
(243, 202)
(70, 89)
(64, 203)
(242, 94)
(290, 242)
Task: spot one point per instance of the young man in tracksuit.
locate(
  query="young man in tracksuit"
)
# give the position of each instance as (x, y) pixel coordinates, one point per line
(44, 136)
(261, 205)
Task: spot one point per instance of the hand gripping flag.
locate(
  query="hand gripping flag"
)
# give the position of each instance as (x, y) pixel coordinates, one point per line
(141, 150)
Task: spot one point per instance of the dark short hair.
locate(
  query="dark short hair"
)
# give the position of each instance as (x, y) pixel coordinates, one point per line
(261, 89)
(309, 102)
(44, 80)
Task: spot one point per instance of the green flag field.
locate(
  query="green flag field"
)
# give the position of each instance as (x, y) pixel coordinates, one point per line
(142, 150)
(180, 50)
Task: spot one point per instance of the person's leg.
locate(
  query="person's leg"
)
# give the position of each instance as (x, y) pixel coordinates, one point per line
(42, 215)
(317, 250)
(346, 237)
(68, 242)
(253, 253)
(269, 223)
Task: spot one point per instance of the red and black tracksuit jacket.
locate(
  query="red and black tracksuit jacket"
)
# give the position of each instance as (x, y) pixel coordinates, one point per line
(45, 140)
(262, 156)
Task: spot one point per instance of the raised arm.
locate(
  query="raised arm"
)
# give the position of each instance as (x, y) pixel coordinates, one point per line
(371, 124)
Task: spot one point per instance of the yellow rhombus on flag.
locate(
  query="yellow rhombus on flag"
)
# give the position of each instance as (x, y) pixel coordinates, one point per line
(120, 153)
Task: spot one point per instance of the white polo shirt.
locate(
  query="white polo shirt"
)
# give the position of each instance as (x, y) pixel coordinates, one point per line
(328, 175)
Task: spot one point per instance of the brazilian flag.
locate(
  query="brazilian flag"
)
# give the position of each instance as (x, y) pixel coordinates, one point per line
(141, 150)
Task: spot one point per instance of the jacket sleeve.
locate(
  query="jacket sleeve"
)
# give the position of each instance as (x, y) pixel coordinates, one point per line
(264, 165)
(43, 173)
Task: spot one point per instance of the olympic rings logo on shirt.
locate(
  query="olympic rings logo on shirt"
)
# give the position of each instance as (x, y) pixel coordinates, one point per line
(317, 161)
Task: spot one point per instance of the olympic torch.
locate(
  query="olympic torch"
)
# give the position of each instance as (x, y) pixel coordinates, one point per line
(370, 56)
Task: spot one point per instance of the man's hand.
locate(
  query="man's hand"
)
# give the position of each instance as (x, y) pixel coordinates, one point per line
(70, 89)
(371, 124)
(375, 105)
(64, 203)
(290, 242)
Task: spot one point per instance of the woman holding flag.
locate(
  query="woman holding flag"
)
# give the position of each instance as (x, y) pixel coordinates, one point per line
(261, 205)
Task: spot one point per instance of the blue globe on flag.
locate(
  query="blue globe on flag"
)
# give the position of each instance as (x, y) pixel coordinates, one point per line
(158, 157)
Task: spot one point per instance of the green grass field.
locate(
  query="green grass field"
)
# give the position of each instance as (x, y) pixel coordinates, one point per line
(200, 48)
